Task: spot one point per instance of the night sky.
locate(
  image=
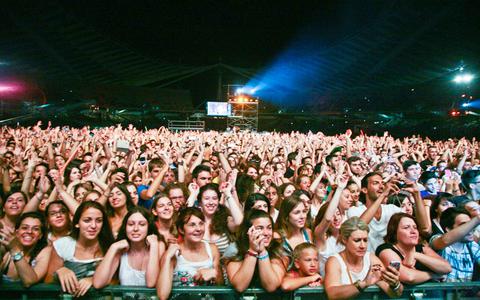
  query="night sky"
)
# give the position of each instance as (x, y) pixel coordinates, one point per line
(381, 49)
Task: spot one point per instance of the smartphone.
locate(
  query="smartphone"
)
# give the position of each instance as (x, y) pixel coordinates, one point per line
(395, 264)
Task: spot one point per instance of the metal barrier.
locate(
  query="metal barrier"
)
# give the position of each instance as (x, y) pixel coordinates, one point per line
(179, 125)
(460, 290)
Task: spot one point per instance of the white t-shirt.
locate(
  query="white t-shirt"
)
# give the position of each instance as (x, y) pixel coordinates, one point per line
(378, 228)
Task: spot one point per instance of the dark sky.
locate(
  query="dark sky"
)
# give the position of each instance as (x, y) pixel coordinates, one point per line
(241, 33)
(362, 48)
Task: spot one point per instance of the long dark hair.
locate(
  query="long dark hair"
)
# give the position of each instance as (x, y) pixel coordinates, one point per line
(42, 241)
(128, 199)
(105, 237)
(243, 242)
(219, 223)
(152, 229)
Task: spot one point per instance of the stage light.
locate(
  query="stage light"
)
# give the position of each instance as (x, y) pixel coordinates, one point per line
(7, 88)
(465, 104)
(463, 78)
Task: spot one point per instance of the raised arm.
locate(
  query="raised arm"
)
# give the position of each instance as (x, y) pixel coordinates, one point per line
(454, 235)
(109, 265)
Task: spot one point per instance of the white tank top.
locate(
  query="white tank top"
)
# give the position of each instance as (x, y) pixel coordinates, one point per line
(345, 279)
(185, 269)
(129, 275)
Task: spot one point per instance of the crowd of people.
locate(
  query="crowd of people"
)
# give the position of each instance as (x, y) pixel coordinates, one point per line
(87, 208)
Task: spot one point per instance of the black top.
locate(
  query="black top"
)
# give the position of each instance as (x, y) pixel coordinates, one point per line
(419, 248)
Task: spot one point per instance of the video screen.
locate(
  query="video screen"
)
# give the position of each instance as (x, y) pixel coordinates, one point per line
(219, 109)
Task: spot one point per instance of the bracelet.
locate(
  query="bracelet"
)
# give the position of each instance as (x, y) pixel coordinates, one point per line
(251, 253)
(357, 286)
(263, 257)
(396, 287)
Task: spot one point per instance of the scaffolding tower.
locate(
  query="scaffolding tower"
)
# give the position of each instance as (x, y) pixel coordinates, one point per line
(244, 110)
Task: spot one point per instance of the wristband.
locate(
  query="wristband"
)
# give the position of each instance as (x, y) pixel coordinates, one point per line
(396, 287)
(251, 253)
(263, 257)
(357, 286)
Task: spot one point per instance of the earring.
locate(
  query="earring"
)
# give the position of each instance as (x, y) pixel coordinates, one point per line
(77, 226)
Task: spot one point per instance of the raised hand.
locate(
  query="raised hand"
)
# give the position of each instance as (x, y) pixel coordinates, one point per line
(121, 245)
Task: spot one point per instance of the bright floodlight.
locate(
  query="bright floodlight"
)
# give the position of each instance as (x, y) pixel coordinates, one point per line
(463, 78)
(6, 88)
(465, 104)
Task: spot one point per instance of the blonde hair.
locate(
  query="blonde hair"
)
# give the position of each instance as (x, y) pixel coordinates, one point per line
(297, 252)
(351, 225)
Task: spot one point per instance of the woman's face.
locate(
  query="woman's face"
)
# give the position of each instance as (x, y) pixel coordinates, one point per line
(57, 216)
(133, 193)
(194, 229)
(80, 194)
(54, 173)
(264, 225)
(407, 232)
(90, 223)
(321, 191)
(272, 196)
(209, 202)
(92, 196)
(337, 219)
(29, 232)
(345, 200)
(288, 191)
(268, 170)
(443, 205)
(137, 181)
(298, 216)
(14, 204)
(407, 206)
(354, 191)
(59, 162)
(357, 242)
(164, 209)
(117, 198)
(305, 183)
(252, 172)
(169, 177)
(137, 227)
(260, 205)
(75, 174)
(12, 175)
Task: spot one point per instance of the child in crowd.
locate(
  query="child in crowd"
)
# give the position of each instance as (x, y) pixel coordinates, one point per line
(306, 268)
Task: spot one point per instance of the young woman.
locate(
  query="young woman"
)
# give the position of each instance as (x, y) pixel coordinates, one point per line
(220, 221)
(75, 258)
(354, 189)
(12, 209)
(419, 263)
(25, 251)
(191, 262)
(439, 205)
(136, 253)
(327, 227)
(404, 201)
(290, 226)
(58, 220)
(272, 195)
(163, 210)
(349, 272)
(259, 258)
(132, 189)
(256, 201)
(118, 204)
